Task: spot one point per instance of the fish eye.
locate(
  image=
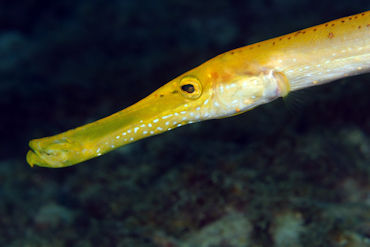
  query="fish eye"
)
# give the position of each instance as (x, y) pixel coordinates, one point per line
(190, 87)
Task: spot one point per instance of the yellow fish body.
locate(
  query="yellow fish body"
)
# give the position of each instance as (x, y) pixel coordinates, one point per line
(229, 84)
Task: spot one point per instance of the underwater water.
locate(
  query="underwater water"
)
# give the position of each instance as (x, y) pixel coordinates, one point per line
(293, 173)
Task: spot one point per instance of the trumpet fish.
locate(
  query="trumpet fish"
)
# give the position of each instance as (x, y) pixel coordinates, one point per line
(228, 84)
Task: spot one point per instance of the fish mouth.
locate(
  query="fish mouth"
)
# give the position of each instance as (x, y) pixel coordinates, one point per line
(34, 158)
(49, 152)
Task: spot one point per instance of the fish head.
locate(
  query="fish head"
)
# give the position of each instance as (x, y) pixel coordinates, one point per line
(215, 89)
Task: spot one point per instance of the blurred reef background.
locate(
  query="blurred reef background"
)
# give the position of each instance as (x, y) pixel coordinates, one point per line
(287, 174)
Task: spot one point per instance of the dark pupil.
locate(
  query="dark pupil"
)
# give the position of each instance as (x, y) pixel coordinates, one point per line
(188, 88)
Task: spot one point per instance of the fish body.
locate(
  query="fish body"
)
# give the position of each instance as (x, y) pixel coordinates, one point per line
(229, 84)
